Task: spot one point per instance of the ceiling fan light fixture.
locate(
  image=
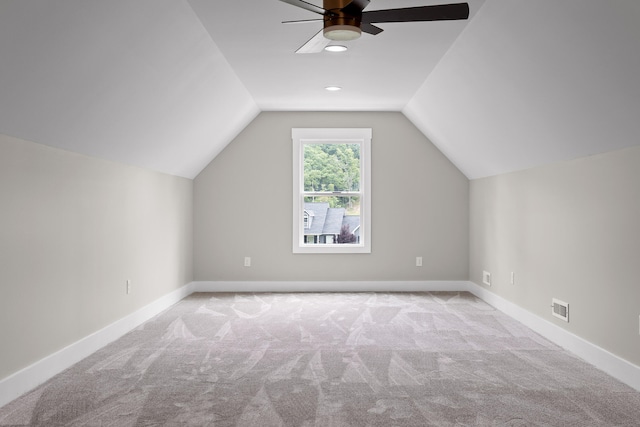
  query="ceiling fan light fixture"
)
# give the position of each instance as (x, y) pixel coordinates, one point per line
(342, 32)
(335, 48)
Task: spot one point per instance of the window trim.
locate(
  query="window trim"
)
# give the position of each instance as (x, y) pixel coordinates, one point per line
(361, 136)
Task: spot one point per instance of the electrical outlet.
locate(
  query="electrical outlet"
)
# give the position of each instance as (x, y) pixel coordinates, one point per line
(418, 261)
(247, 261)
(128, 286)
(486, 278)
(513, 278)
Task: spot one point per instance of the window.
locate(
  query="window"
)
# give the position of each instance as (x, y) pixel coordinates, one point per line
(331, 190)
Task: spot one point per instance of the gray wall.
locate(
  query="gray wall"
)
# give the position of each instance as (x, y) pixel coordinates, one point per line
(243, 204)
(73, 229)
(569, 231)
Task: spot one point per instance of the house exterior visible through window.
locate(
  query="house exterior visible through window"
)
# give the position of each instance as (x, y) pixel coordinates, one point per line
(308, 218)
(331, 190)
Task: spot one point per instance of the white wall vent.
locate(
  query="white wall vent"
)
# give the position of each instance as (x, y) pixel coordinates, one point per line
(560, 309)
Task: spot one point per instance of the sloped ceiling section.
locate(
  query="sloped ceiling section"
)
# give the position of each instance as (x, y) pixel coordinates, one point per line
(534, 82)
(139, 82)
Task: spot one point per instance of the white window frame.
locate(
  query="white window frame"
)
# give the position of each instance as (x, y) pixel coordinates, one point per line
(360, 136)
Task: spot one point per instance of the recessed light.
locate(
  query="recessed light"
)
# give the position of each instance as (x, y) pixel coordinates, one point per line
(335, 48)
(333, 88)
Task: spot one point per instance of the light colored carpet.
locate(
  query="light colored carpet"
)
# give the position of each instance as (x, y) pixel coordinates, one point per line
(329, 359)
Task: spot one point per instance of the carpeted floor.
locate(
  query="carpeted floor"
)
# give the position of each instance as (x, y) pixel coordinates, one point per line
(329, 359)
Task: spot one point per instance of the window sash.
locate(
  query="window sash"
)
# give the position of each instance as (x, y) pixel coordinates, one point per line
(360, 136)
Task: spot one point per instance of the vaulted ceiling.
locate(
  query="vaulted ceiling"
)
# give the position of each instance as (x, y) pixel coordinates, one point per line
(167, 84)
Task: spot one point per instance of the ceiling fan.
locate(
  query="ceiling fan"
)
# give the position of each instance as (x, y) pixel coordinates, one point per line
(346, 19)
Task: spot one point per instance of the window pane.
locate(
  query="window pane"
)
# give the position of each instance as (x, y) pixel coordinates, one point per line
(331, 220)
(331, 167)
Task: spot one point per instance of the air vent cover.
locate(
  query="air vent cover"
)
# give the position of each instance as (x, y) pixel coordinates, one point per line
(560, 309)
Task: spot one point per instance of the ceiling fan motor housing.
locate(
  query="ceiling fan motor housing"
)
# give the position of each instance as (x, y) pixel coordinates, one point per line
(340, 25)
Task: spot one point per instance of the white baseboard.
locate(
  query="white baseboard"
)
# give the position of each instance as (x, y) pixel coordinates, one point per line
(32, 376)
(602, 359)
(330, 286)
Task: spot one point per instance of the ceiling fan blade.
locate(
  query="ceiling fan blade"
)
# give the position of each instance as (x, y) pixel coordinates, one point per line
(370, 29)
(355, 7)
(305, 5)
(441, 12)
(315, 44)
(302, 21)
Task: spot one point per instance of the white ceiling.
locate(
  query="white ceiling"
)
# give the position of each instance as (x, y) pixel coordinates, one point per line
(167, 84)
(535, 82)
